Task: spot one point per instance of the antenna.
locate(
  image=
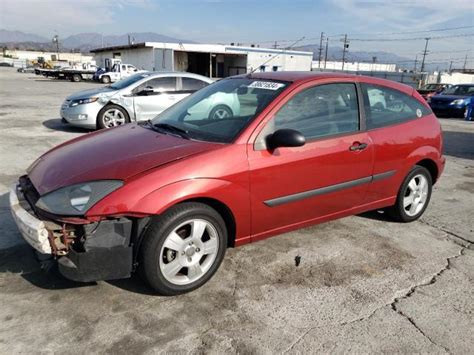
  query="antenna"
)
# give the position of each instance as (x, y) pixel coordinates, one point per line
(283, 51)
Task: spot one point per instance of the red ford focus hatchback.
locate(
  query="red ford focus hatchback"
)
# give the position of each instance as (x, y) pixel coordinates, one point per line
(168, 196)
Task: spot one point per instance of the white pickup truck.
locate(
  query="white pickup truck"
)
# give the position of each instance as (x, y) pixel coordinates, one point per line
(117, 72)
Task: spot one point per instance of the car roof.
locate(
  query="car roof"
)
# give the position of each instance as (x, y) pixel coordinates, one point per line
(179, 74)
(294, 76)
(308, 76)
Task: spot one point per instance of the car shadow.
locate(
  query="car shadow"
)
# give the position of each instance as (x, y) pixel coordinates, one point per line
(377, 215)
(57, 124)
(459, 144)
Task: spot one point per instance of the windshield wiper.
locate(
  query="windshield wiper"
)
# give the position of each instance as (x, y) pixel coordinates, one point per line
(173, 129)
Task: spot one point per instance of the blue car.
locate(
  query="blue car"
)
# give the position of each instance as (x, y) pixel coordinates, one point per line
(456, 101)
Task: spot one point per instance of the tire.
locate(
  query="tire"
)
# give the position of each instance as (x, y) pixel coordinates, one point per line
(76, 78)
(168, 242)
(111, 116)
(220, 112)
(413, 197)
(105, 79)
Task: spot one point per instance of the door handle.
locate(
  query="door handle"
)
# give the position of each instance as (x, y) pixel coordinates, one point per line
(357, 146)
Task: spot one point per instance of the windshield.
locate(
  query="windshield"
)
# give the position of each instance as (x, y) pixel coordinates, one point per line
(431, 87)
(220, 111)
(128, 81)
(459, 90)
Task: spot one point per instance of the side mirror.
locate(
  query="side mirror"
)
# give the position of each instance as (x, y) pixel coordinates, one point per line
(148, 90)
(285, 138)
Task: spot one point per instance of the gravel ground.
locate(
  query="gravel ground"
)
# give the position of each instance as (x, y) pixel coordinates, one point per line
(365, 284)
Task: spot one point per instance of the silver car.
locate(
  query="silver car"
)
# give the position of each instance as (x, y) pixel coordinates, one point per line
(141, 97)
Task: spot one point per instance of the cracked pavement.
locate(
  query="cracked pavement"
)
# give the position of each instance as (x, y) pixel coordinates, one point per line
(364, 284)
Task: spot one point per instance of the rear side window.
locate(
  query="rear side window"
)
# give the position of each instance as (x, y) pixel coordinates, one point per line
(190, 84)
(384, 106)
(322, 110)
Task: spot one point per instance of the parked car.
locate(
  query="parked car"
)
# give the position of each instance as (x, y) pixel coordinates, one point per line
(27, 69)
(456, 101)
(138, 98)
(117, 72)
(170, 195)
(428, 90)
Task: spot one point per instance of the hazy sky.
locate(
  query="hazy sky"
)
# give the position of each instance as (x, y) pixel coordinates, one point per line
(225, 21)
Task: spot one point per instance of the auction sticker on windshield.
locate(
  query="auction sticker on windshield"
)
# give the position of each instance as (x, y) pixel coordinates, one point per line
(268, 85)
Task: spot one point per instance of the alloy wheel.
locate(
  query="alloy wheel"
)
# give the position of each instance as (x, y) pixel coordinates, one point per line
(189, 251)
(113, 118)
(416, 195)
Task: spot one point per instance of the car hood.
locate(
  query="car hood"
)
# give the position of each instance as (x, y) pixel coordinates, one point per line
(117, 153)
(103, 91)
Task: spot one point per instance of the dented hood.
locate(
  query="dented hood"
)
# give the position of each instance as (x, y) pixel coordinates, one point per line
(118, 153)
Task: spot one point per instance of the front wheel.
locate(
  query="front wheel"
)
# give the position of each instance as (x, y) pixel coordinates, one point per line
(105, 79)
(111, 116)
(413, 196)
(183, 249)
(220, 112)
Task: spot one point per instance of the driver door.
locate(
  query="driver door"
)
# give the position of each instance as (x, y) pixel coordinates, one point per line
(326, 176)
(154, 96)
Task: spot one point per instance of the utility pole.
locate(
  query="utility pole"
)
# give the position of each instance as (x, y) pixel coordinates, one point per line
(346, 45)
(56, 40)
(425, 52)
(450, 66)
(326, 52)
(320, 49)
(275, 45)
(416, 62)
(465, 63)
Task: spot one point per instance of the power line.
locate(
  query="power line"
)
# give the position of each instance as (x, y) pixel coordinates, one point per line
(410, 38)
(413, 32)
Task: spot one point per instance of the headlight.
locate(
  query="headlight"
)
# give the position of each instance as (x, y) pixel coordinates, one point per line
(75, 200)
(86, 100)
(458, 102)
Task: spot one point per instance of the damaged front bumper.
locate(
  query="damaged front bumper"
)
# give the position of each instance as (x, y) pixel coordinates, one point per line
(87, 251)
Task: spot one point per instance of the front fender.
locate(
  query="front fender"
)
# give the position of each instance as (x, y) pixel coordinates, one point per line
(234, 196)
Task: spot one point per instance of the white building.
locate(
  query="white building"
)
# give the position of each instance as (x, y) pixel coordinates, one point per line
(353, 66)
(48, 56)
(212, 60)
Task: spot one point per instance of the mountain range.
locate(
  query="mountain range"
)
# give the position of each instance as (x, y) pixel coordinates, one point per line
(84, 42)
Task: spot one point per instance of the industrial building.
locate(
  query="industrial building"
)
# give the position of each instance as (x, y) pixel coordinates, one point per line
(353, 66)
(212, 60)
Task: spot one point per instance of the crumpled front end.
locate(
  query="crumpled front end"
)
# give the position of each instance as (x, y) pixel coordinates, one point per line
(85, 250)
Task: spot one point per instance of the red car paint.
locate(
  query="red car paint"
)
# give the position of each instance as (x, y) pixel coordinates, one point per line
(160, 171)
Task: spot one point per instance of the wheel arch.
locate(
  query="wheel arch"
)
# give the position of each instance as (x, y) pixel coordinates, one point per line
(431, 166)
(223, 210)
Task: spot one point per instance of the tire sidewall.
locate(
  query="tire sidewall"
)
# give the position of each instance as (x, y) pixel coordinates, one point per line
(105, 79)
(417, 170)
(157, 237)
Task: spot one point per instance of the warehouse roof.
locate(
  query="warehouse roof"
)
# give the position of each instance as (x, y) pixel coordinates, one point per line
(199, 47)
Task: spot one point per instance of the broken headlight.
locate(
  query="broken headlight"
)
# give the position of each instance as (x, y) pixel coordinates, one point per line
(76, 199)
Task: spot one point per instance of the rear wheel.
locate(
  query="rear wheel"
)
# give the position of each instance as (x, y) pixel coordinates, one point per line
(111, 116)
(76, 78)
(413, 196)
(183, 249)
